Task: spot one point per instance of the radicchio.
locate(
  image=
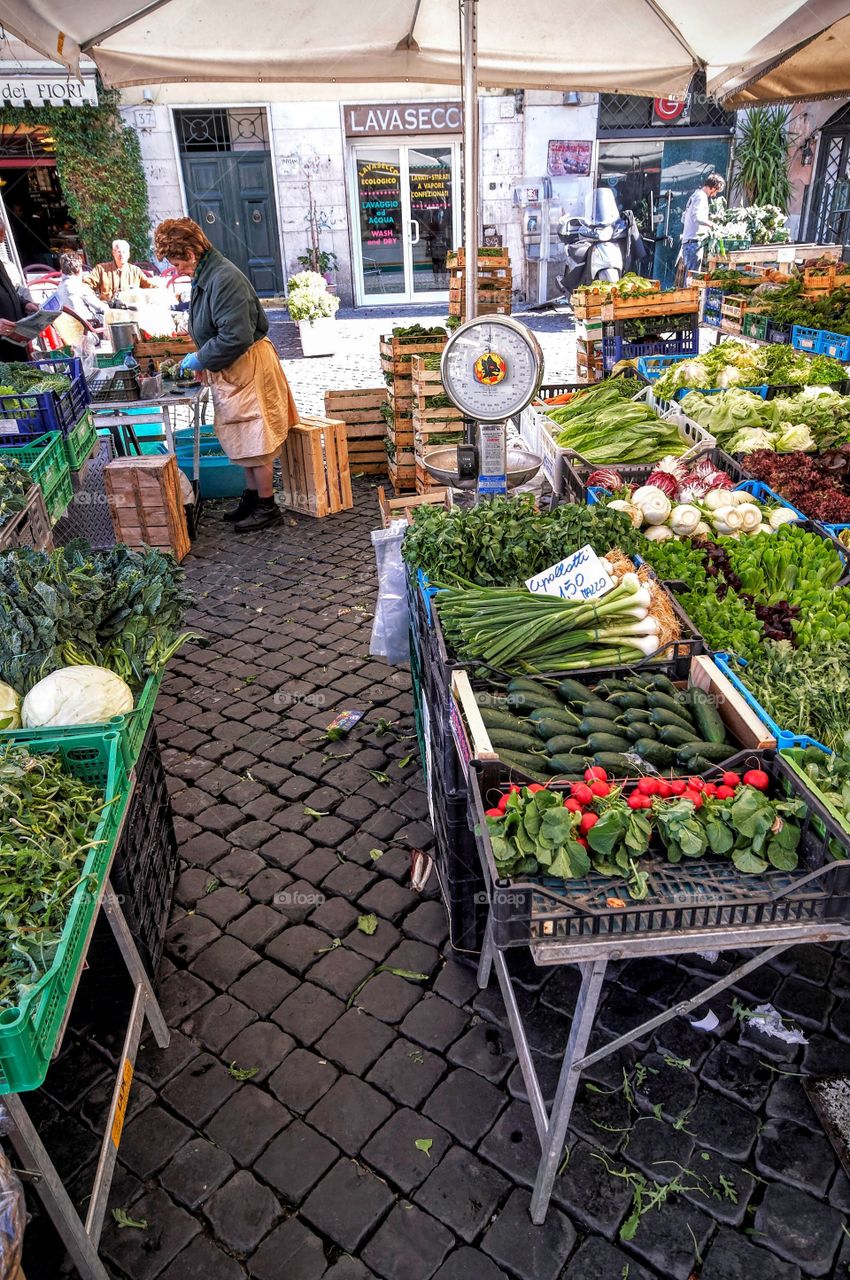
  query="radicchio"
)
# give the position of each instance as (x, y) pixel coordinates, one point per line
(606, 478)
(704, 477)
(665, 481)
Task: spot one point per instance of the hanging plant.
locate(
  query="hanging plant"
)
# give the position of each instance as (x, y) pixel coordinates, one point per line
(762, 160)
(100, 167)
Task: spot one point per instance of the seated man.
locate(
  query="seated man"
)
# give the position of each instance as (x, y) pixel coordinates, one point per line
(74, 293)
(109, 279)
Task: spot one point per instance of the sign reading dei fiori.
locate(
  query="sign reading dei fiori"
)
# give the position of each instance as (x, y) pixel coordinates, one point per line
(385, 119)
(47, 91)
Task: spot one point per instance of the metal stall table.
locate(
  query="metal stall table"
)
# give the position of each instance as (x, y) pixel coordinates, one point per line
(122, 417)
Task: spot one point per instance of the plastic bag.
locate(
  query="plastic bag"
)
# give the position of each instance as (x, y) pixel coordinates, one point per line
(390, 627)
(13, 1217)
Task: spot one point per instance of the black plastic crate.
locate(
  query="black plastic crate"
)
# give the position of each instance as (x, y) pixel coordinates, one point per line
(574, 474)
(145, 866)
(458, 868)
(842, 386)
(775, 334)
(707, 893)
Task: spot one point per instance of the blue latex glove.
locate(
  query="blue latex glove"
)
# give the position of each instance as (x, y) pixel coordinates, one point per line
(190, 364)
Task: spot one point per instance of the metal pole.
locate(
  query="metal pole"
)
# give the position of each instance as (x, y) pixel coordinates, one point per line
(469, 10)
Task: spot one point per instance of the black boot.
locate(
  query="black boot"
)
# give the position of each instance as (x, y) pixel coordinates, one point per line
(267, 512)
(247, 505)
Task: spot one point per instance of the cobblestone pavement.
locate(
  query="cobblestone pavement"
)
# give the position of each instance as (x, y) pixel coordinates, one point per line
(356, 363)
(318, 1117)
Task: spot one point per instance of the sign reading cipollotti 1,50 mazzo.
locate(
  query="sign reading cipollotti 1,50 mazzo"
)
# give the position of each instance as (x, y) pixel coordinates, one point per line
(387, 119)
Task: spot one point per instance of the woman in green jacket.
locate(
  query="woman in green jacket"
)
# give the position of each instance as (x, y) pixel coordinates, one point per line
(254, 408)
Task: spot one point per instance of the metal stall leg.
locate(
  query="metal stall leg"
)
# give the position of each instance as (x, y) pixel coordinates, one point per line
(592, 977)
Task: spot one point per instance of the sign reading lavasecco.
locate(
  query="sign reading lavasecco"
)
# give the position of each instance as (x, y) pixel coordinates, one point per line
(388, 119)
(47, 91)
(582, 576)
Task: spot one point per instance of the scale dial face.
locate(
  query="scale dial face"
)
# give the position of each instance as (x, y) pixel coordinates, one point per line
(491, 368)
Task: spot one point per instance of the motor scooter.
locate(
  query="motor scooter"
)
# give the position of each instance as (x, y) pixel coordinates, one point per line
(602, 247)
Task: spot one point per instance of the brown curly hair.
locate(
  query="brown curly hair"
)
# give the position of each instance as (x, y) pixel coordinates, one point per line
(178, 236)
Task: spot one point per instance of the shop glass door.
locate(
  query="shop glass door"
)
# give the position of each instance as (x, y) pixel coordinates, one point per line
(407, 214)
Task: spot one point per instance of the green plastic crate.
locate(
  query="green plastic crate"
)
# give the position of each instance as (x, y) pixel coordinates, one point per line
(28, 1033)
(130, 729)
(80, 442)
(112, 359)
(59, 498)
(43, 458)
(756, 324)
(793, 756)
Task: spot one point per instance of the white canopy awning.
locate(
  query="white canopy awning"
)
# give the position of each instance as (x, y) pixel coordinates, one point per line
(628, 46)
(817, 68)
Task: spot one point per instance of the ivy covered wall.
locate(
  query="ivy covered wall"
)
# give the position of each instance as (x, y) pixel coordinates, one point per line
(100, 168)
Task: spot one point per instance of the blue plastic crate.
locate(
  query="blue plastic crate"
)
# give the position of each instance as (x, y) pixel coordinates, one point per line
(614, 349)
(755, 488)
(219, 477)
(24, 417)
(784, 738)
(836, 345)
(804, 338)
(652, 367)
(426, 591)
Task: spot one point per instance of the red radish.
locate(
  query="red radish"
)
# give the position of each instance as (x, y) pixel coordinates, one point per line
(636, 800)
(582, 792)
(494, 813)
(665, 791)
(588, 820)
(648, 786)
(696, 784)
(757, 778)
(534, 787)
(595, 773)
(581, 840)
(709, 789)
(725, 793)
(695, 798)
(573, 805)
(731, 780)
(600, 789)
(678, 786)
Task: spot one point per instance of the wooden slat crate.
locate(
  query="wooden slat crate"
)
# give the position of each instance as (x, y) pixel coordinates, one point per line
(458, 257)
(401, 396)
(395, 508)
(315, 468)
(401, 478)
(588, 304)
(671, 302)
(430, 422)
(29, 527)
(146, 503)
(483, 309)
(179, 345)
(397, 353)
(425, 483)
(488, 278)
(732, 310)
(360, 410)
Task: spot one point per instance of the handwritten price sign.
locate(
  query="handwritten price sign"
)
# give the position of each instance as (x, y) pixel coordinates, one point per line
(582, 576)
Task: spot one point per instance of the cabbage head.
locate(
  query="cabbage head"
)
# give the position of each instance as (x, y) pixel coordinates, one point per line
(76, 695)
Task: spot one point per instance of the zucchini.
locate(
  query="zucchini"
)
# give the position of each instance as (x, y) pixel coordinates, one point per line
(699, 764)
(660, 717)
(601, 710)
(523, 702)
(512, 741)
(656, 753)
(565, 744)
(551, 726)
(573, 691)
(528, 764)
(636, 731)
(566, 714)
(614, 686)
(617, 765)
(494, 719)
(629, 701)
(571, 765)
(636, 715)
(598, 724)
(672, 736)
(715, 751)
(662, 683)
(666, 702)
(608, 742)
(707, 717)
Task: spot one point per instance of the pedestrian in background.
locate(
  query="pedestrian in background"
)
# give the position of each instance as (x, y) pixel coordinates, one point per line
(109, 279)
(696, 219)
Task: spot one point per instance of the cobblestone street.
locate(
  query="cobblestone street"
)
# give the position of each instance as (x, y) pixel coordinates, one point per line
(318, 1116)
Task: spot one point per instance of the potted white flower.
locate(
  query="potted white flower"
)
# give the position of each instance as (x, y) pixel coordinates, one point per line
(313, 307)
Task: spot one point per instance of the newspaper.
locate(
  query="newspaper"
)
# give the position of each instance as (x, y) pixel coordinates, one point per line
(30, 326)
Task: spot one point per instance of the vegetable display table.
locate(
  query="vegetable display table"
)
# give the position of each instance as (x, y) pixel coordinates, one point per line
(123, 416)
(81, 1238)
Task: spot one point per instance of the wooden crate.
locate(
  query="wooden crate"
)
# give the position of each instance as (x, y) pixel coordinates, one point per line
(670, 302)
(762, 255)
(500, 278)
(732, 310)
(458, 308)
(146, 503)
(397, 353)
(401, 478)
(432, 422)
(315, 468)
(395, 508)
(588, 304)
(401, 396)
(360, 410)
(160, 349)
(458, 259)
(425, 483)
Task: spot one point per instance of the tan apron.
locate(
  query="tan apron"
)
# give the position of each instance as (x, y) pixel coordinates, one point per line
(253, 404)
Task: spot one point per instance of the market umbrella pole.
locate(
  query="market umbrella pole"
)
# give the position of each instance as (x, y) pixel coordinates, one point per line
(469, 17)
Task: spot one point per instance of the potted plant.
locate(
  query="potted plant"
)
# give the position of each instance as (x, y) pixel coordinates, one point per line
(313, 308)
(321, 260)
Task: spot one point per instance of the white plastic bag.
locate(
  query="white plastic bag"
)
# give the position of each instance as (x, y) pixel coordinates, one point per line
(390, 627)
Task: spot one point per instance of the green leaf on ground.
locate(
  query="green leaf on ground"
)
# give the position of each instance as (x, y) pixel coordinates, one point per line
(367, 924)
(424, 1144)
(379, 776)
(315, 813)
(123, 1219)
(241, 1073)
(375, 854)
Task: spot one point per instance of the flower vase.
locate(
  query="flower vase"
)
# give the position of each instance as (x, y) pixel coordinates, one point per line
(318, 337)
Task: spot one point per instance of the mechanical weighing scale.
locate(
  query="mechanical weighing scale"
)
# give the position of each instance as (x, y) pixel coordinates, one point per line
(491, 368)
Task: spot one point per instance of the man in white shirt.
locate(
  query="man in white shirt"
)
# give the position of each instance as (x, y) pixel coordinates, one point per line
(696, 219)
(73, 292)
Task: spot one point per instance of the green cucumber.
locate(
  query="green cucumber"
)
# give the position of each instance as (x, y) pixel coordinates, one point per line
(522, 702)
(494, 719)
(629, 701)
(707, 717)
(661, 717)
(484, 698)
(528, 764)
(512, 741)
(637, 731)
(608, 742)
(636, 715)
(614, 686)
(663, 684)
(616, 764)
(656, 753)
(573, 691)
(555, 713)
(601, 710)
(565, 744)
(699, 765)
(716, 751)
(665, 702)
(672, 736)
(571, 765)
(551, 726)
(599, 724)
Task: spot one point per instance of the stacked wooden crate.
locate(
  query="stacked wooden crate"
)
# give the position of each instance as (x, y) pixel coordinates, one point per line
(397, 355)
(435, 426)
(494, 283)
(146, 503)
(362, 411)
